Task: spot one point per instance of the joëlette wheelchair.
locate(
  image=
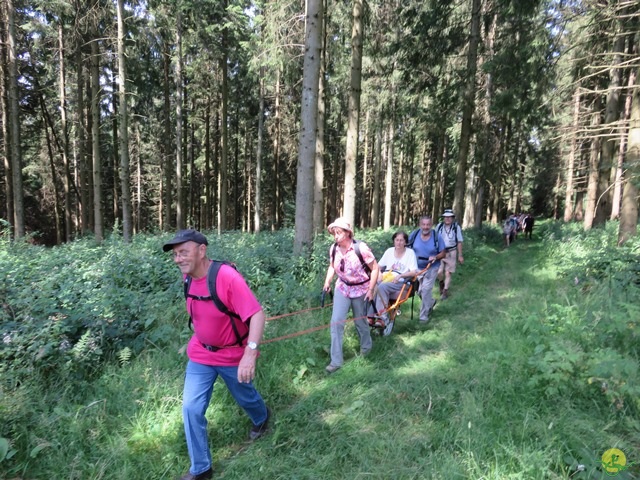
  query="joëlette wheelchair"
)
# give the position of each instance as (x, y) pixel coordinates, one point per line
(409, 288)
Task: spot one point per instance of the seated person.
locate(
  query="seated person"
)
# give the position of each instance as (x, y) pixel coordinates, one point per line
(400, 264)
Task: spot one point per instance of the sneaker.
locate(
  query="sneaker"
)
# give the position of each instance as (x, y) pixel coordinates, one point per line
(259, 430)
(201, 476)
(441, 283)
(332, 368)
(444, 295)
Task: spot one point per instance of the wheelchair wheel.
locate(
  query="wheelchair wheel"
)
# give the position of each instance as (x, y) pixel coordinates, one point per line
(386, 331)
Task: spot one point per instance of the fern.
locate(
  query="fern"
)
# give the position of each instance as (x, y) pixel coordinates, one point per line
(124, 356)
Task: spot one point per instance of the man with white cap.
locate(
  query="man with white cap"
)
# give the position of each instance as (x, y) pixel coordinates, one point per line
(452, 236)
(357, 270)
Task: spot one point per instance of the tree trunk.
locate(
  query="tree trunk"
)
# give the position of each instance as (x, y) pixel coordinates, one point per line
(258, 189)
(629, 212)
(467, 109)
(180, 204)
(68, 228)
(81, 141)
(603, 205)
(388, 182)
(14, 125)
(309, 118)
(353, 116)
(4, 108)
(52, 167)
(318, 181)
(276, 213)
(375, 201)
(364, 198)
(594, 166)
(224, 153)
(617, 189)
(571, 159)
(125, 176)
(167, 163)
(98, 215)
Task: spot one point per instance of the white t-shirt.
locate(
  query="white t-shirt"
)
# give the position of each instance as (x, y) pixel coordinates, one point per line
(406, 263)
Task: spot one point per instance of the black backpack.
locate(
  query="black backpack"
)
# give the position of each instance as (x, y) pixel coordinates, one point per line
(356, 247)
(212, 275)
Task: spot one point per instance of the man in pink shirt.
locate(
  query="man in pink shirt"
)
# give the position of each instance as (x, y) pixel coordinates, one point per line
(222, 344)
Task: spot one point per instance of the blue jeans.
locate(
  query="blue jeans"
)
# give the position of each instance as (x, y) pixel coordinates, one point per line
(198, 387)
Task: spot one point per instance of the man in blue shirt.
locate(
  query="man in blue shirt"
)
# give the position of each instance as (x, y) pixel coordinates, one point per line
(429, 248)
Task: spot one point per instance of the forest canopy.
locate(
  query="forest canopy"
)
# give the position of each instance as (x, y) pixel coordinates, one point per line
(248, 115)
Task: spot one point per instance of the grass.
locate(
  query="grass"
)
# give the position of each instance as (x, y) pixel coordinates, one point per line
(455, 399)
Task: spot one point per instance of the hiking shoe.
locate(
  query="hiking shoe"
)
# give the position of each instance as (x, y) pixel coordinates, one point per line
(201, 476)
(444, 295)
(259, 430)
(332, 368)
(441, 283)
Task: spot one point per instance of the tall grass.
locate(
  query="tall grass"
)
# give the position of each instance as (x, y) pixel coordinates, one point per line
(506, 382)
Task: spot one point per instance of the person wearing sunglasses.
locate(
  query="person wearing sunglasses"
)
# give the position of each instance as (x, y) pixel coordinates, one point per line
(357, 270)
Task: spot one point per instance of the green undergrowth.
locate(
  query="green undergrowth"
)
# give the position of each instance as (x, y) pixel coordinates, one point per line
(528, 371)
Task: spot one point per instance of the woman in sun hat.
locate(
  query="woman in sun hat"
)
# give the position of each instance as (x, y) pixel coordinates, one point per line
(357, 271)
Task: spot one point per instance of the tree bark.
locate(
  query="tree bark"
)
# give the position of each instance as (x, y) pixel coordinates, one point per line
(308, 125)
(467, 110)
(167, 163)
(125, 175)
(68, 227)
(629, 212)
(594, 166)
(14, 125)
(98, 215)
(571, 159)
(180, 204)
(4, 108)
(224, 153)
(603, 205)
(388, 181)
(353, 116)
(258, 180)
(622, 148)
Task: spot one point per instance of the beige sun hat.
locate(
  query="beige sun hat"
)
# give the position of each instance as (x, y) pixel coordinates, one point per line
(340, 223)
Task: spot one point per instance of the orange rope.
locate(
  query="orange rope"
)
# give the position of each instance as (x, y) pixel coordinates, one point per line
(396, 304)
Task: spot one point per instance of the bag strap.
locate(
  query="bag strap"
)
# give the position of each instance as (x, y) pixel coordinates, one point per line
(212, 276)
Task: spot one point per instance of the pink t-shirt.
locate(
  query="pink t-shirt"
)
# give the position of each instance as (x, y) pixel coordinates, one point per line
(212, 327)
(351, 270)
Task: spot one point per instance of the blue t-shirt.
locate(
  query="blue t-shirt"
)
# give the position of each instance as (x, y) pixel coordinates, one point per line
(425, 249)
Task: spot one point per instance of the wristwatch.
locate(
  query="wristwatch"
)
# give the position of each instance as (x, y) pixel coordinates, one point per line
(252, 345)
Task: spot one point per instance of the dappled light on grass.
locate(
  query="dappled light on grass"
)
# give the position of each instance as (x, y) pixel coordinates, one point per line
(520, 374)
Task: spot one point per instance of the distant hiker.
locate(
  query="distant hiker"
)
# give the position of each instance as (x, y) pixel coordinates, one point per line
(451, 233)
(509, 227)
(429, 249)
(399, 263)
(223, 344)
(357, 270)
(528, 225)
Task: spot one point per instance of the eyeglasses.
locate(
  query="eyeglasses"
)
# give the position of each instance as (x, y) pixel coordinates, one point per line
(342, 264)
(181, 254)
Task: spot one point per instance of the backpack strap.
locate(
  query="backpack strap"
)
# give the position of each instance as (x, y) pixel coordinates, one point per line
(365, 267)
(212, 276)
(412, 237)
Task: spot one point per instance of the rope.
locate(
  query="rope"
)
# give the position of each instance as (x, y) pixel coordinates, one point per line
(399, 301)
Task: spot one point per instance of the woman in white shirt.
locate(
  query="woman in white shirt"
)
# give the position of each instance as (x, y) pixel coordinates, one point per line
(399, 263)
